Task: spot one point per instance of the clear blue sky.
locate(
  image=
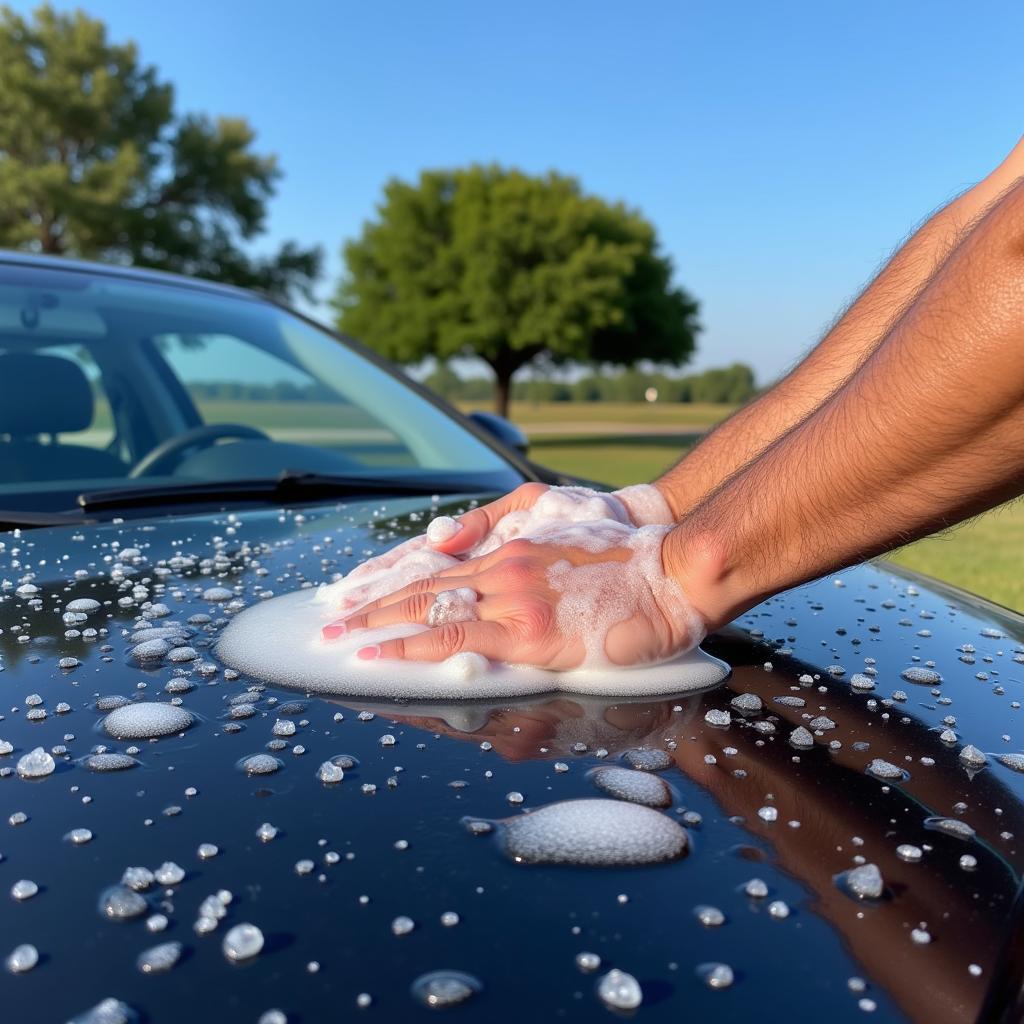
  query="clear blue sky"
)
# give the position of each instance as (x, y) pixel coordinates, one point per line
(782, 149)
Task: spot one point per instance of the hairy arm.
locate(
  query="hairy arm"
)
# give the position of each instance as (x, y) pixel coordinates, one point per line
(844, 349)
(928, 432)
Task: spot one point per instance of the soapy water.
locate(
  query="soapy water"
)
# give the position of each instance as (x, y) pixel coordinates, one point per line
(280, 640)
(588, 832)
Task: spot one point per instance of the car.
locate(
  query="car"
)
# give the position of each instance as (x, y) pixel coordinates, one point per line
(182, 842)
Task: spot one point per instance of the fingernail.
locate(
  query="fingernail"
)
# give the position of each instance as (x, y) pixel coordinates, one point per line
(368, 653)
(333, 630)
(442, 529)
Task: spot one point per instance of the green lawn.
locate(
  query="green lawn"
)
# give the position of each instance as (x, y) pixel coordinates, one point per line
(985, 556)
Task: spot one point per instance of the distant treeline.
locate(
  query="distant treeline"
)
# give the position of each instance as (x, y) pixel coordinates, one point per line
(731, 384)
(279, 391)
(724, 384)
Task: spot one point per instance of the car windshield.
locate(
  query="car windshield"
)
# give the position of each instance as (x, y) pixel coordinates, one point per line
(109, 383)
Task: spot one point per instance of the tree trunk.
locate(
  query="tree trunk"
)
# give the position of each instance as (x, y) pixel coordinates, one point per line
(502, 389)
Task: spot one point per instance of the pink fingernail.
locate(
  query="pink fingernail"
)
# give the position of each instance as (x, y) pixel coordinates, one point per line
(368, 653)
(333, 630)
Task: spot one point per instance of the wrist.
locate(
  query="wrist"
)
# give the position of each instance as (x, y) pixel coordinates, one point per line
(702, 563)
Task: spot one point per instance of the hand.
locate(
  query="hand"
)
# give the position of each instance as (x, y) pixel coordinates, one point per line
(552, 604)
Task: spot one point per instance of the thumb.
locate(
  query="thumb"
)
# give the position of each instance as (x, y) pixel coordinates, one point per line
(454, 536)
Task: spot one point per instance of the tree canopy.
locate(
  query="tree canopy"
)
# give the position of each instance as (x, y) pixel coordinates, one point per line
(511, 268)
(95, 163)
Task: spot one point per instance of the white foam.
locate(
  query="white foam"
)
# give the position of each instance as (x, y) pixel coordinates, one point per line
(280, 641)
(604, 832)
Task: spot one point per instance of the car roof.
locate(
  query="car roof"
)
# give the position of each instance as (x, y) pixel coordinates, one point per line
(9, 257)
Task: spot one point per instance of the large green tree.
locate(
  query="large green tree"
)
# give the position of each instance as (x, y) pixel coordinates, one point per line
(511, 268)
(94, 162)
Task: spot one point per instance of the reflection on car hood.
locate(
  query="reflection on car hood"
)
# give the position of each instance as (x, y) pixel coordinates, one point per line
(389, 840)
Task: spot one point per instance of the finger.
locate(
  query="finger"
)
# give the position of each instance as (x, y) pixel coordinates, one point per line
(493, 640)
(475, 525)
(415, 596)
(418, 609)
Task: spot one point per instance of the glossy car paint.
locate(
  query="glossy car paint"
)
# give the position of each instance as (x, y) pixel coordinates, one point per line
(521, 926)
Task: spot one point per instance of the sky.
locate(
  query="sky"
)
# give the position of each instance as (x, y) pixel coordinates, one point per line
(781, 149)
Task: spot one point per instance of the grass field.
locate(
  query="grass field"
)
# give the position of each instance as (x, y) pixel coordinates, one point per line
(985, 556)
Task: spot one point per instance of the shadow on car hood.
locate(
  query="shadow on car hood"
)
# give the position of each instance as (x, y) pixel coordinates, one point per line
(389, 841)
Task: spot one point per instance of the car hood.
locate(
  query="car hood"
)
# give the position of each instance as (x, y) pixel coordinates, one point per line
(390, 840)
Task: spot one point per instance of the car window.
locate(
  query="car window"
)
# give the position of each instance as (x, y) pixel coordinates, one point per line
(231, 380)
(109, 381)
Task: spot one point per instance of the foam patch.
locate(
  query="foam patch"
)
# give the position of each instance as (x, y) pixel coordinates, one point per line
(279, 641)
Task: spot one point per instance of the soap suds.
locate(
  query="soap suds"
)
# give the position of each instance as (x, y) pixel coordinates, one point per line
(646, 505)
(280, 640)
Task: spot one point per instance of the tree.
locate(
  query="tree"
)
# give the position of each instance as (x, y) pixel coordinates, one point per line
(94, 162)
(494, 263)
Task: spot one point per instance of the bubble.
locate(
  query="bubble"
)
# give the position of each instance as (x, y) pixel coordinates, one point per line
(951, 826)
(911, 854)
(111, 703)
(635, 786)
(266, 832)
(146, 720)
(242, 942)
(109, 762)
(800, 737)
(715, 975)
(863, 882)
(78, 836)
(441, 989)
(756, 889)
(647, 760)
(598, 832)
(710, 917)
(108, 1011)
(217, 594)
(24, 889)
(588, 962)
(206, 851)
(150, 650)
(924, 676)
(169, 873)
(182, 654)
(68, 663)
(717, 718)
(778, 909)
(330, 773)
(36, 765)
(619, 990)
(449, 919)
(22, 958)
(82, 606)
(138, 878)
(1015, 762)
(886, 770)
(747, 703)
(402, 925)
(119, 903)
(972, 757)
(260, 764)
(159, 959)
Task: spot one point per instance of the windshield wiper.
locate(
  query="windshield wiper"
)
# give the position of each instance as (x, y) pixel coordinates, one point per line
(13, 519)
(290, 486)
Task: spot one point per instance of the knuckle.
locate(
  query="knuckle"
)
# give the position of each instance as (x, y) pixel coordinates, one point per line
(518, 547)
(535, 619)
(517, 573)
(418, 605)
(450, 637)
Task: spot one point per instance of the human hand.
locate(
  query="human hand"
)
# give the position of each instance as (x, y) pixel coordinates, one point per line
(484, 529)
(591, 594)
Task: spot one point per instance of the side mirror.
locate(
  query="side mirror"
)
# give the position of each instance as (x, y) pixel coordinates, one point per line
(501, 430)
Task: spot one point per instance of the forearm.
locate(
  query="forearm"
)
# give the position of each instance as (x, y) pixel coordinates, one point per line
(928, 432)
(845, 348)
